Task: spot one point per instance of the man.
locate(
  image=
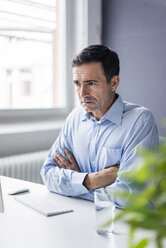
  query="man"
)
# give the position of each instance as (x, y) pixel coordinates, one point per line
(100, 139)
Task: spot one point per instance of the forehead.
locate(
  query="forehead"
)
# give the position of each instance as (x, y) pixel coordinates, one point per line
(92, 70)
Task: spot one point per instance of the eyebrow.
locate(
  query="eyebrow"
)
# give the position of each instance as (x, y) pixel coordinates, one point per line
(87, 81)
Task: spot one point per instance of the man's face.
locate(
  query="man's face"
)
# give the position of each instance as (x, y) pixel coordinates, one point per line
(95, 94)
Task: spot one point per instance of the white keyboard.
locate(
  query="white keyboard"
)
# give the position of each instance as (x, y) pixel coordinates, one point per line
(42, 205)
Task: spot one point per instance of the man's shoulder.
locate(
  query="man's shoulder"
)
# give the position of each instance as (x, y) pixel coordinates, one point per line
(73, 119)
(136, 111)
(75, 114)
(133, 107)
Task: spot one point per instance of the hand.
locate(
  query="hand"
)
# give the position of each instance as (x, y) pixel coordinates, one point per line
(102, 178)
(62, 162)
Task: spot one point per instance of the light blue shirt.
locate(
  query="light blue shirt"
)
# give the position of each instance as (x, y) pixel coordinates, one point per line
(96, 145)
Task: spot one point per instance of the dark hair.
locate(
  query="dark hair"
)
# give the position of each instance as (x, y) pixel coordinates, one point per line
(99, 53)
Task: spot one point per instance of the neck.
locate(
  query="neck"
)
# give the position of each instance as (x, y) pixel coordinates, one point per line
(98, 114)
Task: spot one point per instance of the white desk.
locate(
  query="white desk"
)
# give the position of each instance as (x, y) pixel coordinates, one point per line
(23, 227)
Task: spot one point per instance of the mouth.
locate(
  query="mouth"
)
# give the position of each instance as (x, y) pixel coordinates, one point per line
(87, 103)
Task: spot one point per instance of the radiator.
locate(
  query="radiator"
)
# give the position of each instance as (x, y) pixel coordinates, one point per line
(24, 166)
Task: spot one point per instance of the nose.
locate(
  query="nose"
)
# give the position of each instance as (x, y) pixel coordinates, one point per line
(83, 91)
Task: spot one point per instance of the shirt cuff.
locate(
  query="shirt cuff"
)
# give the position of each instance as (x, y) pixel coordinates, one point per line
(77, 181)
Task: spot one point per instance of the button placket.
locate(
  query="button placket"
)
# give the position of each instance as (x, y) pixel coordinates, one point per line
(93, 150)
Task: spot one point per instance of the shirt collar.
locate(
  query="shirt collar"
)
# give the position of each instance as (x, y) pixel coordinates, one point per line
(114, 113)
(86, 115)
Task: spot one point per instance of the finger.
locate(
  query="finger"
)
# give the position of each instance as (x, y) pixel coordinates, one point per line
(73, 165)
(70, 156)
(59, 163)
(62, 161)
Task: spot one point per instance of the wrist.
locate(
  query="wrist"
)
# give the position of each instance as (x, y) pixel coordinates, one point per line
(101, 178)
(90, 181)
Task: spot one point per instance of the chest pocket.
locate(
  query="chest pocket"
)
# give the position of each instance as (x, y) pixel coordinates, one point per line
(109, 156)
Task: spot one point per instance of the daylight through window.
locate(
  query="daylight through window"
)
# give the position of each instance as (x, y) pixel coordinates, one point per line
(28, 44)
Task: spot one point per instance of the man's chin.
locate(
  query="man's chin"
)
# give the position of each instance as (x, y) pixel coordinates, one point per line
(87, 108)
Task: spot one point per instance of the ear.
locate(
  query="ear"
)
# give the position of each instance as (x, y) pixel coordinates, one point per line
(115, 82)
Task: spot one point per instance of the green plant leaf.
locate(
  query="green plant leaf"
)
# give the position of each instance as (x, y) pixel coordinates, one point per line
(142, 243)
(146, 207)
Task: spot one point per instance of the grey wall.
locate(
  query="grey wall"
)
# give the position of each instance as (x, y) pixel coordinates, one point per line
(136, 30)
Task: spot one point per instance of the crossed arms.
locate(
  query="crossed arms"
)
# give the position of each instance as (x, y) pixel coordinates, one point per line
(92, 180)
(64, 174)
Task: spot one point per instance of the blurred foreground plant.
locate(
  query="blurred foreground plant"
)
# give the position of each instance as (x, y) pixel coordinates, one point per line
(146, 207)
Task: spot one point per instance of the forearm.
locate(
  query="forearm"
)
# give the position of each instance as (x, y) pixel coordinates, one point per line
(101, 178)
(63, 181)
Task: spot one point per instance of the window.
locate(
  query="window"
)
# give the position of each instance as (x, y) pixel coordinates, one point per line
(74, 25)
(45, 35)
(30, 57)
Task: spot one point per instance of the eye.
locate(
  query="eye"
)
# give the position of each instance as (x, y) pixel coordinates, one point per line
(90, 82)
(77, 83)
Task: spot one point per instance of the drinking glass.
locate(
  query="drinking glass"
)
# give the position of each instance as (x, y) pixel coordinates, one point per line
(105, 211)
